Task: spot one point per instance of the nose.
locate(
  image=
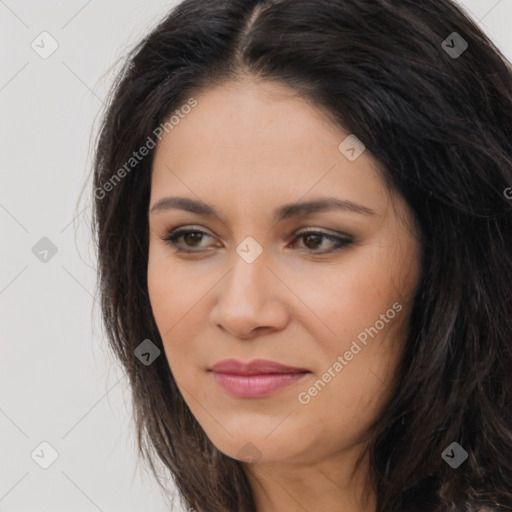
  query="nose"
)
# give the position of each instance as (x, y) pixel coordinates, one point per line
(251, 300)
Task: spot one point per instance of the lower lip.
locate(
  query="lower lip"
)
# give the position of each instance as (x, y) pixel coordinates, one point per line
(256, 386)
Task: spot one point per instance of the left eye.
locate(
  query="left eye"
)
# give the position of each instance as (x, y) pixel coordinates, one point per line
(313, 238)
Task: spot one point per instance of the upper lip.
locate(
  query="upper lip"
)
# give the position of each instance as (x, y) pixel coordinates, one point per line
(257, 366)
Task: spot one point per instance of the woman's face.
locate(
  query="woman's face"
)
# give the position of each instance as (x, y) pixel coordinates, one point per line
(249, 283)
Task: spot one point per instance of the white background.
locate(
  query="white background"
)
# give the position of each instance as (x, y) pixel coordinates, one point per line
(58, 382)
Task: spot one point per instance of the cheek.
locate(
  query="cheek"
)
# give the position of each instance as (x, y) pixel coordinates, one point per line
(178, 298)
(169, 295)
(364, 316)
(349, 297)
(358, 364)
(159, 286)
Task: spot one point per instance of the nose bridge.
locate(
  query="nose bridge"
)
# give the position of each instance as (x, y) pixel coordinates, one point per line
(247, 277)
(247, 299)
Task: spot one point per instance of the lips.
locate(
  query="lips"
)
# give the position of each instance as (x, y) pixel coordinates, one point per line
(255, 367)
(256, 379)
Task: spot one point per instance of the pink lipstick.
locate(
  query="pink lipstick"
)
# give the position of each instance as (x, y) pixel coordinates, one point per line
(256, 379)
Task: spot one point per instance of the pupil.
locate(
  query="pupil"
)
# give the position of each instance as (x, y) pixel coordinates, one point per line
(197, 235)
(318, 237)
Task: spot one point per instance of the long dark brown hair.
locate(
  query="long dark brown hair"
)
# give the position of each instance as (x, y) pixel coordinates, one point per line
(437, 115)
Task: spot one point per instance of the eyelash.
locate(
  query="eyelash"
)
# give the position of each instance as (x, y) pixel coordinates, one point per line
(173, 236)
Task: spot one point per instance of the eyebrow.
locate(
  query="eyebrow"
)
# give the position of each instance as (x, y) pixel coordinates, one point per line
(283, 212)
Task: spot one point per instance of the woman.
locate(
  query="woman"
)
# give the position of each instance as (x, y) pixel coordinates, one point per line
(305, 255)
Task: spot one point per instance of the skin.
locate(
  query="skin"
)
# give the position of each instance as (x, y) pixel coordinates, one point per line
(248, 148)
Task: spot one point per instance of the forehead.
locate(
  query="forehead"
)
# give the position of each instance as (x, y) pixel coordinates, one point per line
(263, 143)
(256, 119)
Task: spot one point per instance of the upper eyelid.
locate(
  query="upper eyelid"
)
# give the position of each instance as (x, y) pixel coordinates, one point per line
(298, 232)
(340, 238)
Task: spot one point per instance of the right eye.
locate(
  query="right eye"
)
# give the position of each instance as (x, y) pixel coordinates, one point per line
(192, 236)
